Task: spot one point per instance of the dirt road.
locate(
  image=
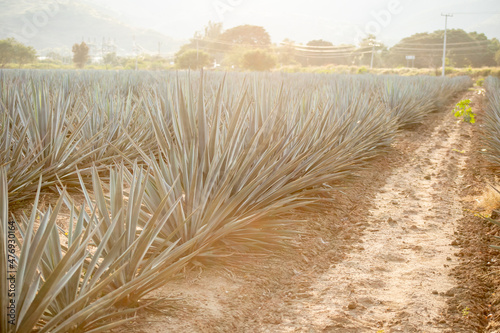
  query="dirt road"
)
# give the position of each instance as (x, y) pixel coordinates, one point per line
(399, 279)
(379, 260)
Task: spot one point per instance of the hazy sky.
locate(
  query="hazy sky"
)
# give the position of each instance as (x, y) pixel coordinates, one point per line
(333, 20)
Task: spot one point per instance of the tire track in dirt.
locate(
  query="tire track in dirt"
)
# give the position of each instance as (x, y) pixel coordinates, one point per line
(398, 280)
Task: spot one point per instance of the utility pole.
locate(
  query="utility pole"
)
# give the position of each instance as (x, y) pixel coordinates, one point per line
(102, 47)
(136, 49)
(444, 44)
(373, 43)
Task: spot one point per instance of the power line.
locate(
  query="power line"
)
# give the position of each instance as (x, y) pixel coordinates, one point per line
(475, 13)
(295, 46)
(318, 47)
(343, 51)
(312, 49)
(322, 52)
(427, 36)
(333, 56)
(440, 44)
(430, 54)
(436, 49)
(332, 52)
(312, 54)
(215, 41)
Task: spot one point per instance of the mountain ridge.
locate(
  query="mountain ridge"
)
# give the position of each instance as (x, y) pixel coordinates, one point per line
(57, 25)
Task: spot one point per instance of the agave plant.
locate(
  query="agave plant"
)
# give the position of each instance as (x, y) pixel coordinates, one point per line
(41, 138)
(51, 127)
(42, 273)
(174, 167)
(491, 135)
(106, 262)
(241, 170)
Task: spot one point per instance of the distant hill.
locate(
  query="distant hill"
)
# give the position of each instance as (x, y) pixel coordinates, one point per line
(58, 24)
(336, 21)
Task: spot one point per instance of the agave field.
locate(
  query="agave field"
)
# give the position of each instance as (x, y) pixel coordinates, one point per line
(142, 174)
(492, 119)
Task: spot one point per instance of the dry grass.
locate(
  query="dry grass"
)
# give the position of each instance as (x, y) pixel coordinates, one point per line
(489, 200)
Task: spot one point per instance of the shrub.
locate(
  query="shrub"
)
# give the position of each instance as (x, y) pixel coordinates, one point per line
(193, 59)
(258, 60)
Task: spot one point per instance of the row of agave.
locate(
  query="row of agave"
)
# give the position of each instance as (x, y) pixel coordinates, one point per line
(492, 119)
(173, 167)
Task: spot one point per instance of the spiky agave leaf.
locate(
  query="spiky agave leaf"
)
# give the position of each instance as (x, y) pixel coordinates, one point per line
(239, 155)
(80, 287)
(42, 138)
(247, 178)
(128, 237)
(4, 259)
(491, 134)
(42, 271)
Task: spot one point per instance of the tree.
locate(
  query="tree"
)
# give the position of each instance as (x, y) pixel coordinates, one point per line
(222, 46)
(110, 59)
(247, 35)
(463, 49)
(286, 52)
(234, 57)
(367, 47)
(418, 45)
(497, 58)
(12, 51)
(6, 51)
(319, 42)
(213, 30)
(24, 54)
(80, 54)
(193, 59)
(258, 60)
(54, 56)
(208, 42)
(318, 58)
(320, 52)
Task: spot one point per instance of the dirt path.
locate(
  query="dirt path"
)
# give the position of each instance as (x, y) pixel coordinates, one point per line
(399, 279)
(383, 270)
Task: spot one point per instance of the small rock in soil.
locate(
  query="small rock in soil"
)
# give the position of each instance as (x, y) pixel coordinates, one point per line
(352, 306)
(435, 292)
(449, 293)
(428, 177)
